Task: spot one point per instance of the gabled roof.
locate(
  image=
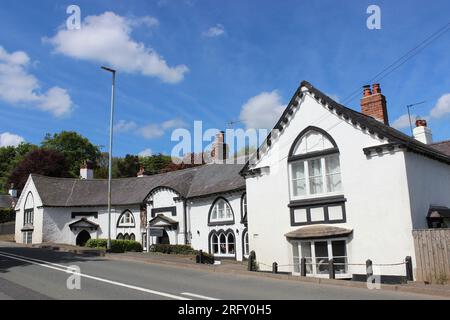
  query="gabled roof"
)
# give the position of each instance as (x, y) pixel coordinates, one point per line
(373, 126)
(442, 146)
(161, 217)
(83, 223)
(188, 183)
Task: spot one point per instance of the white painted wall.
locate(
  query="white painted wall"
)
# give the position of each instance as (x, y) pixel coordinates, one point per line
(376, 190)
(198, 213)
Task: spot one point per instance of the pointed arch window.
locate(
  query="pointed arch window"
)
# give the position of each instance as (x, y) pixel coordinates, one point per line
(220, 212)
(314, 164)
(126, 219)
(29, 210)
(223, 243)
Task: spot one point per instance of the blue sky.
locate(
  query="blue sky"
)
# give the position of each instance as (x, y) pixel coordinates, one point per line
(214, 61)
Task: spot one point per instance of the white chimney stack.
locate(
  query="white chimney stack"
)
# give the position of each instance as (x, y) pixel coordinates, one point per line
(12, 192)
(87, 170)
(422, 133)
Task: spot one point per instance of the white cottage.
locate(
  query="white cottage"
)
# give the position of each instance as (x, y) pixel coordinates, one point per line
(330, 182)
(201, 206)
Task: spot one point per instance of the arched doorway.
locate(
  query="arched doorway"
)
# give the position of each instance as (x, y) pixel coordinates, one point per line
(164, 239)
(82, 238)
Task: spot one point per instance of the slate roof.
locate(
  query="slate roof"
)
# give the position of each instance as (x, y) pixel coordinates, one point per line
(443, 146)
(193, 182)
(6, 201)
(373, 126)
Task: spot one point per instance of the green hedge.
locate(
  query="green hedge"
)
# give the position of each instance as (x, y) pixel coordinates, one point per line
(7, 215)
(172, 249)
(117, 246)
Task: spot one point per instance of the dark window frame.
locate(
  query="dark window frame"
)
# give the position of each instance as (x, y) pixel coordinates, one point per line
(324, 203)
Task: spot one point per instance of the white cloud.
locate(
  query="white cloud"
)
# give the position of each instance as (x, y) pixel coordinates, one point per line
(402, 122)
(19, 87)
(145, 153)
(262, 111)
(442, 107)
(124, 126)
(151, 130)
(106, 39)
(147, 21)
(10, 139)
(215, 31)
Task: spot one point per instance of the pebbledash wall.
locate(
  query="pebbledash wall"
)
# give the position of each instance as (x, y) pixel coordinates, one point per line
(381, 191)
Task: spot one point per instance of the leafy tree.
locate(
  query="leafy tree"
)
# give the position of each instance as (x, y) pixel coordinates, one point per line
(40, 161)
(156, 163)
(74, 147)
(128, 167)
(101, 170)
(9, 158)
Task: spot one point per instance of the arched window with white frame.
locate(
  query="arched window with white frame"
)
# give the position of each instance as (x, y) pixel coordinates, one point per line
(223, 243)
(126, 219)
(314, 165)
(220, 212)
(245, 245)
(29, 210)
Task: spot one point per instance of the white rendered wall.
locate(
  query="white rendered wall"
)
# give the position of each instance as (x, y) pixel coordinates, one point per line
(377, 206)
(198, 214)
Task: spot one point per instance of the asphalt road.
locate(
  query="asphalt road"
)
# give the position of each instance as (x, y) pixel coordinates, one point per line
(28, 273)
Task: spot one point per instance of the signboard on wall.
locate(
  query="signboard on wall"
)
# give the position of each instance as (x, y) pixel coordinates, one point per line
(156, 232)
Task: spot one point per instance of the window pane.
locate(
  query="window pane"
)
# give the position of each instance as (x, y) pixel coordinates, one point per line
(321, 251)
(307, 254)
(230, 243)
(315, 176)
(246, 245)
(333, 173)
(223, 244)
(215, 244)
(296, 257)
(298, 179)
(339, 256)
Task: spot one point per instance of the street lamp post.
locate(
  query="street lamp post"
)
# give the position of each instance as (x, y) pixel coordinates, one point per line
(111, 119)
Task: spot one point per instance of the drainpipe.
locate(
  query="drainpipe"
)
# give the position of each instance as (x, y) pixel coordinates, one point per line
(185, 220)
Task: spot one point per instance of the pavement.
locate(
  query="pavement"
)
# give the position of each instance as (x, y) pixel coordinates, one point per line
(36, 273)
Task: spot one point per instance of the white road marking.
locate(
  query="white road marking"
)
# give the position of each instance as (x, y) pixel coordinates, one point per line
(66, 269)
(198, 296)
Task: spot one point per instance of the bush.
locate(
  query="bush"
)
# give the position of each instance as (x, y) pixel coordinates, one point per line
(7, 215)
(117, 246)
(173, 249)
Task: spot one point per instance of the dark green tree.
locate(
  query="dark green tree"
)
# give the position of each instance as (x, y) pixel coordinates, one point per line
(74, 147)
(156, 163)
(40, 161)
(128, 167)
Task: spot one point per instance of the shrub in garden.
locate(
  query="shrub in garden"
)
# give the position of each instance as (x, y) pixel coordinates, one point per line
(117, 246)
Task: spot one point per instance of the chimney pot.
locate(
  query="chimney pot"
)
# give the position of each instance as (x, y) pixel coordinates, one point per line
(219, 152)
(373, 104)
(12, 191)
(422, 133)
(87, 170)
(421, 123)
(141, 172)
(367, 92)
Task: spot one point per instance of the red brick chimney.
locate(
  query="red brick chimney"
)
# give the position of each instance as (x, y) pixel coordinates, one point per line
(219, 151)
(373, 103)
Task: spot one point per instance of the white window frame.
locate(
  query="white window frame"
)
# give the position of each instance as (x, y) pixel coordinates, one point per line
(226, 209)
(124, 224)
(219, 243)
(27, 237)
(314, 273)
(324, 174)
(245, 250)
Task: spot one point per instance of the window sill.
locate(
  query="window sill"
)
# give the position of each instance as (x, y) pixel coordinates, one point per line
(220, 223)
(325, 199)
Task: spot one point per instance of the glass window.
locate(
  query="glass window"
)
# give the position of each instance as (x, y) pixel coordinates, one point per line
(132, 237)
(126, 219)
(246, 245)
(307, 254)
(230, 243)
(298, 178)
(223, 243)
(296, 257)
(126, 236)
(321, 252)
(315, 176)
(27, 237)
(120, 236)
(28, 216)
(215, 244)
(221, 211)
(333, 173)
(244, 206)
(339, 256)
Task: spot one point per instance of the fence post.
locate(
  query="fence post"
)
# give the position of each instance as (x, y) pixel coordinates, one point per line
(251, 260)
(331, 268)
(409, 269)
(369, 270)
(201, 256)
(274, 267)
(303, 267)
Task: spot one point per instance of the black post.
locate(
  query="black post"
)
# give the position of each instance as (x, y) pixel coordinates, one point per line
(369, 270)
(409, 269)
(303, 267)
(201, 256)
(331, 269)
(274, 267)
(251, 260)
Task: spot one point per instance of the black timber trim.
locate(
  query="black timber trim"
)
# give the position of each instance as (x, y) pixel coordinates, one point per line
(225, 232)
(85, 214)
(220, 223)
(365, 122)
(172, 210)
(314, 154)
(123, 212)
(324, 203)
(318, 130)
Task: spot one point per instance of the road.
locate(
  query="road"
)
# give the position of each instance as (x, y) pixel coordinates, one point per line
(29, 273)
